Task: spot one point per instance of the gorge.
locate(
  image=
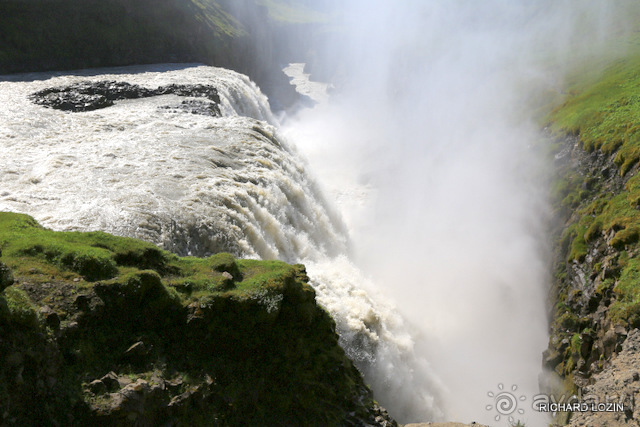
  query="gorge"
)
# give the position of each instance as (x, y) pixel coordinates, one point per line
(416, 194)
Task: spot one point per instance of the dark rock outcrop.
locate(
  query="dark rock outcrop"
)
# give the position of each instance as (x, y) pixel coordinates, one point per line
(88, 96)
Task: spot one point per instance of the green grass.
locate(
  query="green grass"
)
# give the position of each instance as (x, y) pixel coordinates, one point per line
(602, 107)
(617, 219)
(293, 12)
(605, 111)
(251, 326)
(16, 305)
(216, 18)
(43, 255)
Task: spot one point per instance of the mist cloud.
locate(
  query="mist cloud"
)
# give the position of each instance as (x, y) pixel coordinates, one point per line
(429, 147)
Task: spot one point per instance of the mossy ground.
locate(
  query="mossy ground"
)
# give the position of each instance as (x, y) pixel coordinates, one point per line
(604, 111)
(292, 11)
(597, 281)
(246, 332)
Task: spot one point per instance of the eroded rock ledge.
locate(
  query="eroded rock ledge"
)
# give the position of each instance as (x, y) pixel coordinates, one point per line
(89, 96)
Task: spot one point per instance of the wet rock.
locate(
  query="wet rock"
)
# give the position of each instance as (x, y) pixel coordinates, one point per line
(129, 400)
(181, 400)
(586, 345)
(224, 262)
(203, 108)
(195, 314)
(174, 384)
(382, 418)
(137, 349)
(70, 328)
(89, 96)
(609, 341)
(618, 383)
(551, 359)
(620, 331)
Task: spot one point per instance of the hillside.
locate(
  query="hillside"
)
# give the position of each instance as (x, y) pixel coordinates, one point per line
(596, 293)
(103, 329)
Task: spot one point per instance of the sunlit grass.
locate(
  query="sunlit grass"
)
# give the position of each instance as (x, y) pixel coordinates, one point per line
(602, 107)
(42, 255)
(292, 12)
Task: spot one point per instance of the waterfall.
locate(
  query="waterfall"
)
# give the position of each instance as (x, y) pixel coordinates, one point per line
(197, 184)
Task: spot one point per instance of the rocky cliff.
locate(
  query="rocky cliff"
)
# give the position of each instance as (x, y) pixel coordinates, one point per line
(595, 301)
(104, 330)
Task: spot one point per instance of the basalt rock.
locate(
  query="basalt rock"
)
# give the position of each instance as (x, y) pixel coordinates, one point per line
(89, 96)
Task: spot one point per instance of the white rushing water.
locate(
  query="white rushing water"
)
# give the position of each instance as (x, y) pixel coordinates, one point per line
(431, 148)
(197, 184)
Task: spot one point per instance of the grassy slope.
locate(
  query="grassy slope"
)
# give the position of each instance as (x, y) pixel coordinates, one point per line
(251, 326)
(293, 11)
(605, 112)
(600, 199)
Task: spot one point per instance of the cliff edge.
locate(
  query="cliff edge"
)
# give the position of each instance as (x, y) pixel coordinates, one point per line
(99, 329)
(596, 295)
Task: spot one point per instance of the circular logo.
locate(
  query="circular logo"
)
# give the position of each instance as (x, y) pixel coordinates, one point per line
(505, 403)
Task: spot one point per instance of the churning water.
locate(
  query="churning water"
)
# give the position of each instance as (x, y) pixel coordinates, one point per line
(197, 184)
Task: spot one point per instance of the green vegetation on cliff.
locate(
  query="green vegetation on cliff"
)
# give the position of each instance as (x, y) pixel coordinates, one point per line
(293, 11)
(102, 329)
(597, 289)
(605, 114)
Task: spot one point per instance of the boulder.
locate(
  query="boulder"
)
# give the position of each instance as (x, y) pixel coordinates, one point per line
(89, 96)
(111, 381)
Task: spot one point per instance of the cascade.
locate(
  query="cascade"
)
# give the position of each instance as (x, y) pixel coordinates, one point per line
(197, 184)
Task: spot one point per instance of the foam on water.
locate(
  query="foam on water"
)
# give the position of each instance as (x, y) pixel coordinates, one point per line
(196, 185)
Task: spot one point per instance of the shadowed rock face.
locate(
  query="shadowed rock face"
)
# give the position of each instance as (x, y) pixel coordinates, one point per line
(89, 96)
